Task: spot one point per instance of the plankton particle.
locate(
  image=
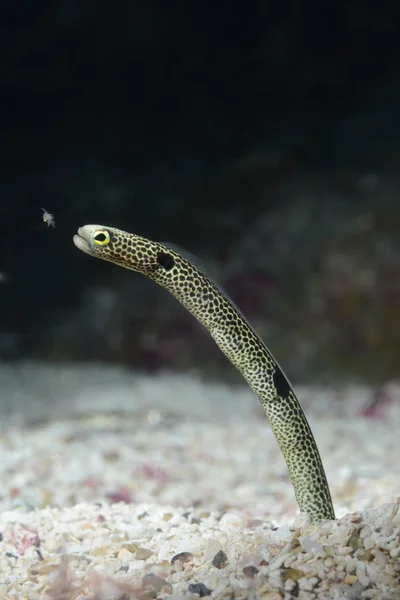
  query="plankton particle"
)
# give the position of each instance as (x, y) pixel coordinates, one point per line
(48, 218)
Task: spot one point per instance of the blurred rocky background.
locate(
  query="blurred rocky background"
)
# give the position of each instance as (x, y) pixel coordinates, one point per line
(263, 137)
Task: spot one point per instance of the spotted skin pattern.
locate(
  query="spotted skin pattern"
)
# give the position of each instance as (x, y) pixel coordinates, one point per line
(238, 342)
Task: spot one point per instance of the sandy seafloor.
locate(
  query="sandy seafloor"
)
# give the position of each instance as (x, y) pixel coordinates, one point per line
(119, 486)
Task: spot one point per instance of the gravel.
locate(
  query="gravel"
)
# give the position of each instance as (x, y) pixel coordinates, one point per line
(117, 485)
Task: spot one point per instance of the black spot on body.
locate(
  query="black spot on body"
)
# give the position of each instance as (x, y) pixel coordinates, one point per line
(281, 383)
(165, 260)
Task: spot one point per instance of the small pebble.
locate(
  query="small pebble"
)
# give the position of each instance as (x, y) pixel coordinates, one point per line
(124, 554)
(292, 574)
(220, 560)
(350, 579)
(143, 553)
(183, 557)
(250, 571)
(152, 582)
(199, 588)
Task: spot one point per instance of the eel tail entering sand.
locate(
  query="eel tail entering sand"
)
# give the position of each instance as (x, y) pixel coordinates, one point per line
(237, 340)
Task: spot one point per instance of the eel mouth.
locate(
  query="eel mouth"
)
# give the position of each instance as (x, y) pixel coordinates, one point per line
(81, 241)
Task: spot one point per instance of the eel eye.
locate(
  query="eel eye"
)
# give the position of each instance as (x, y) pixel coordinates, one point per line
(101, 238)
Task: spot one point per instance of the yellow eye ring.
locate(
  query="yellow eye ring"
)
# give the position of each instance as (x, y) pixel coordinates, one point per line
(101, 237)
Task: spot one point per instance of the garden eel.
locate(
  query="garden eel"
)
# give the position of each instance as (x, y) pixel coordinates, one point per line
(237, 340)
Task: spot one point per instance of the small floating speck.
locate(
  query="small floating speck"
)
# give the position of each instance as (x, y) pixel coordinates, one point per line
(48, 218)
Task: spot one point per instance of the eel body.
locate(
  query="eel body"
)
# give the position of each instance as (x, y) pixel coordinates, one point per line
(237, 340)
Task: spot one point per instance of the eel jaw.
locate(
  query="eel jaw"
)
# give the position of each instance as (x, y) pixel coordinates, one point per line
(81, 241)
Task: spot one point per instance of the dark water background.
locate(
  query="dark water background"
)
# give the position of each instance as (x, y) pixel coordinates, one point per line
(263, 137)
